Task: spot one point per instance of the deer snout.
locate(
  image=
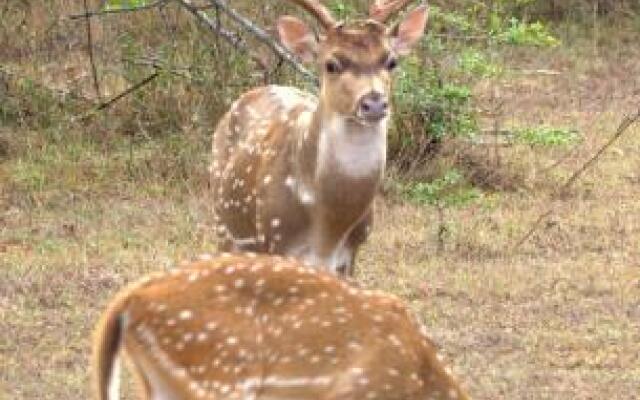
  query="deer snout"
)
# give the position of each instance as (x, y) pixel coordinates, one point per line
(373, 107)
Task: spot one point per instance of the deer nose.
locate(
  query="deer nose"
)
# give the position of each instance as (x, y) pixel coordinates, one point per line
(373, 106)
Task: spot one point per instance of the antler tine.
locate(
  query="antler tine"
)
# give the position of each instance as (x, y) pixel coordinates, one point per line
(322, 14)
(382, 10)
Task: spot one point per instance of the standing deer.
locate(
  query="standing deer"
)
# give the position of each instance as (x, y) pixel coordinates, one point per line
(251, 327)
(296, 175)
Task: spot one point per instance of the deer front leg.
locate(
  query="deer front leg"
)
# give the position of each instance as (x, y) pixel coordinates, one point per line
(355, 239)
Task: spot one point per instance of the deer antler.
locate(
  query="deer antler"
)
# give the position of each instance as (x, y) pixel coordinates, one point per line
(382, 10)
(319, 11)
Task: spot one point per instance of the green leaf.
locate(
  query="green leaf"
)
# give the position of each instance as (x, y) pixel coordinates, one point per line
(525, 34)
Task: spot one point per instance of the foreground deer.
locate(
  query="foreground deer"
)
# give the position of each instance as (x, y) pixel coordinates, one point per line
(296, 175)
(262, 327)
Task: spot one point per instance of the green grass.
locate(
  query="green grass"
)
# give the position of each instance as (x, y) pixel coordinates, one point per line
(547, 136)
(554, 320)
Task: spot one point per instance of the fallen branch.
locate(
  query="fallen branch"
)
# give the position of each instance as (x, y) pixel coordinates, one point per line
(626, 123)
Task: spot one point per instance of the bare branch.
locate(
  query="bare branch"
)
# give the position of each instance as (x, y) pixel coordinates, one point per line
(232, 38)
(263, 37)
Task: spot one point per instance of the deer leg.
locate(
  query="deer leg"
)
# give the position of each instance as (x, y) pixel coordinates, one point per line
(356, 237)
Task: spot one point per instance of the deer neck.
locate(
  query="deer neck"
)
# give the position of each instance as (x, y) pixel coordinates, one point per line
(341, 161)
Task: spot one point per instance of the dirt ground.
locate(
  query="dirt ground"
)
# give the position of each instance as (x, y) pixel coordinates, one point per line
(556, 318)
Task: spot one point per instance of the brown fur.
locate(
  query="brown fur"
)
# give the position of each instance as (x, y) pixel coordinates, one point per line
(261, 327)
(294, 175)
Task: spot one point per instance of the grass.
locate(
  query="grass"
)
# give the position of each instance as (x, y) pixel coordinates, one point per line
(83, 210)
(546, 136)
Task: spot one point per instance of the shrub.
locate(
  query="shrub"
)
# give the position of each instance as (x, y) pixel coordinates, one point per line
(524, 34)
(450, 190)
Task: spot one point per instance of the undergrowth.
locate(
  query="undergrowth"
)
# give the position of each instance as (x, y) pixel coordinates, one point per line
(199, 75)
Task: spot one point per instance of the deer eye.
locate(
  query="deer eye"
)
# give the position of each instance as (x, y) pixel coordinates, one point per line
(391, 63)
(333, 67)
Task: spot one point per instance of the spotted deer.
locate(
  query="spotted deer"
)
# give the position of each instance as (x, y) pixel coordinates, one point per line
(262, 327)
(296, 175)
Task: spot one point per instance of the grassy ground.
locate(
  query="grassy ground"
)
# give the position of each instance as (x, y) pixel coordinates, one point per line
(83, 211)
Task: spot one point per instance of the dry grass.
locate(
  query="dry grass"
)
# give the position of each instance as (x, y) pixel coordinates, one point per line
(82, 214)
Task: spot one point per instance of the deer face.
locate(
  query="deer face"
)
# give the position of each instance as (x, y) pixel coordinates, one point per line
(356, 61)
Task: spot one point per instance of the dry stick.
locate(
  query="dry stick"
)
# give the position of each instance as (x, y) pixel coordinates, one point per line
(94, 70)
(624, 125)
(129, 90)
(265, 38)
(114, 99)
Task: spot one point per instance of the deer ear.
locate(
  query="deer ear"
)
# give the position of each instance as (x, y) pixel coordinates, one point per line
(407, 33)
(297, 38)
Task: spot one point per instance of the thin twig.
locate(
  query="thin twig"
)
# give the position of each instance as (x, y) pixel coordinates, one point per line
(94, 70)
(114, 99)
(626, 123)
(90, 14)
(232, 38)
(264, 37)
(129, 90)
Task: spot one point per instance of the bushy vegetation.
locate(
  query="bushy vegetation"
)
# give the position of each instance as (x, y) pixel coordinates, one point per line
(450, 190)
(433, 98)
(199, 74)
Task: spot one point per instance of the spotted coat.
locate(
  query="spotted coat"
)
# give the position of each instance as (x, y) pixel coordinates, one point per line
(264, 327)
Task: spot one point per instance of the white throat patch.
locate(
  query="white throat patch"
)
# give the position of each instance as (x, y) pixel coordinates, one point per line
(358, 150)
